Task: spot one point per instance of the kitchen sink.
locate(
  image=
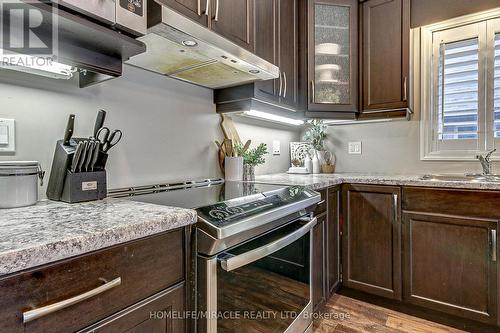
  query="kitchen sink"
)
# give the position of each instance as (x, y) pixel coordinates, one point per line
(475, 178)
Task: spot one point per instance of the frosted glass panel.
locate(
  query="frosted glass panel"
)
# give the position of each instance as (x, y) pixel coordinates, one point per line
(331, 57)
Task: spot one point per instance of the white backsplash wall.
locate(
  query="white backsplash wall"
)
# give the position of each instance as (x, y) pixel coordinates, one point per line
(389, 147)
(169, 127)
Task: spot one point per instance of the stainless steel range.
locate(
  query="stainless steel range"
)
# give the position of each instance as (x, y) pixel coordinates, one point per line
(253, 253)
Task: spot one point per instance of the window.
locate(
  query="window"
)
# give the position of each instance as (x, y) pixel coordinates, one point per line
(460, 87)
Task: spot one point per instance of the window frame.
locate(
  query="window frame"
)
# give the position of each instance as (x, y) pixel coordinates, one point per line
(486, 25)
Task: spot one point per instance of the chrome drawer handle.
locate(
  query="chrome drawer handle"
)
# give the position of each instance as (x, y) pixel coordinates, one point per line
(46, 310)
(493, 245)
(231, 263)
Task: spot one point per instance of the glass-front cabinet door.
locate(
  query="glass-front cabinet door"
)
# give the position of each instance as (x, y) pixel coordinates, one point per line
(332, 55)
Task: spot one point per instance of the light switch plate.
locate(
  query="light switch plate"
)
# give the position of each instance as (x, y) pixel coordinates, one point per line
(7, 136)
(276, 148)
(354, 148)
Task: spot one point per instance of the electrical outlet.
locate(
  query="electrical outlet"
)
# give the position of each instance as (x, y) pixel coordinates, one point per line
(354, 148)
(276, 148)
(7, 136)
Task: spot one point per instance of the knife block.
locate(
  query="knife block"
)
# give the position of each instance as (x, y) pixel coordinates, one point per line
(84, 186)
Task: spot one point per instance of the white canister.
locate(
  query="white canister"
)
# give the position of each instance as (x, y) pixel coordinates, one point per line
(234, 168)
(19, 183)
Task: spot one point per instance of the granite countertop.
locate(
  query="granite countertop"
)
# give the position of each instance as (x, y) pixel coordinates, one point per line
(319, 181)
(52, 231)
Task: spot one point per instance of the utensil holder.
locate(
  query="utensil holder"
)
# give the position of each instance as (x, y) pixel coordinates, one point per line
(234, 168)
(84, 186)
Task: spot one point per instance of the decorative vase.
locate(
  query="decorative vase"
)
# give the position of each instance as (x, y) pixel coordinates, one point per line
(322, 155)
(315, 162)
(248, 172)
(234, 168)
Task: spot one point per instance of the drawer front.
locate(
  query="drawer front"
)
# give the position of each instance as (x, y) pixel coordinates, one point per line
(145, 267)
(321, 207)
(472, 203)
(159, 313)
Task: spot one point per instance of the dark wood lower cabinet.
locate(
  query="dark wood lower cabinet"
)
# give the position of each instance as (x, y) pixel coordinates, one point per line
(333, 240)
(161, 313)
(450, 265)
(372, 239)
(319, 294)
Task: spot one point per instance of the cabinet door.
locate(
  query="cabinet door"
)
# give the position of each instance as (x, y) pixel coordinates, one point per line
(385, 54)
(288, 32)
(333, 240)
(332, 54)
(450, 264)
(318, 263)
(160, 313)
(196, 10)
(266, 45)
(233, 19)
(372, 239)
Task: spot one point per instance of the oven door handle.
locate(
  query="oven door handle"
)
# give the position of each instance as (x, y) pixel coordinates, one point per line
(230, 263)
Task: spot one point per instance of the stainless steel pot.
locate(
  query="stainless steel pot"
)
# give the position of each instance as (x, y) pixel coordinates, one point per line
(19, 183)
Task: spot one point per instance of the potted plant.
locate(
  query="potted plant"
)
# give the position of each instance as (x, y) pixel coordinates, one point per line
(252, 158)
(316, 134)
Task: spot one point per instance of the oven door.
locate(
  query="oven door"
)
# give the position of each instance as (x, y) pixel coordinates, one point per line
(263, 285)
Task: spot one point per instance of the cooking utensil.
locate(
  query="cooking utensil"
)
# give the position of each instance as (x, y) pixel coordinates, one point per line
(229, 129)
(99, 122)
(229, 147)
(247, 145)
(108, 139)
(76, 157)
(68, 133)
(95, 155)
(83, 156)
(90, 154)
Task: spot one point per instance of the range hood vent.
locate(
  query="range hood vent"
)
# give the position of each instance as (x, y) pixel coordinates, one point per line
(97, 51)
(185, 50)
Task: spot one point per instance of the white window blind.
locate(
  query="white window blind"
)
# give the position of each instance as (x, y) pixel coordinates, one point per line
(458, 90)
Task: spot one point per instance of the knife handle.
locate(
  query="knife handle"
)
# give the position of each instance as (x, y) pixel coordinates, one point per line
(99, 122)
(70, 127)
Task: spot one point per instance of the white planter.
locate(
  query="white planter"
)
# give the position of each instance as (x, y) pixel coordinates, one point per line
(234, 168)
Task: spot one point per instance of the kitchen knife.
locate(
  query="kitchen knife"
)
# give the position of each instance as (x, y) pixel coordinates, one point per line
(95, 156)
(90, 155)
(83, 156)
(99, 122)
(69, 129)
(76, 157)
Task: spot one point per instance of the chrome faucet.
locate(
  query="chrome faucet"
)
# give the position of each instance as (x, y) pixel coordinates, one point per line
(486, 162)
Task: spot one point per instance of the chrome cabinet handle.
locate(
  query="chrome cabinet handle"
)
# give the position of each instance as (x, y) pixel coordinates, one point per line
(216, 10)
(208, 7)
(313, 93)
(321, 202)
(493, 245)
(281, 85)
(395, 211)
(284, 90)
(199, 7)
(46, 310)
(405, 90)
(230, 263)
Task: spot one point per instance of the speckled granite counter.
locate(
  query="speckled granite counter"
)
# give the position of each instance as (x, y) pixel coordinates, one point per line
(51, 231)
(320, 181)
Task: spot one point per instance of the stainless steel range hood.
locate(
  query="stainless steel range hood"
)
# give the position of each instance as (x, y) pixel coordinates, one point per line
(188, 51)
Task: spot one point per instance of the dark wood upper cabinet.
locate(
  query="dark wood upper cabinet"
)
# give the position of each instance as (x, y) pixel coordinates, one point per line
(332, 56)
(333, 240)
(372, 239)
(450, 264)
(385, 54)
(196, 10)
(234, 19)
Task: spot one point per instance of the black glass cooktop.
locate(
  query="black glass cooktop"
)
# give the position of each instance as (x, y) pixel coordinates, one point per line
(222, 204)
